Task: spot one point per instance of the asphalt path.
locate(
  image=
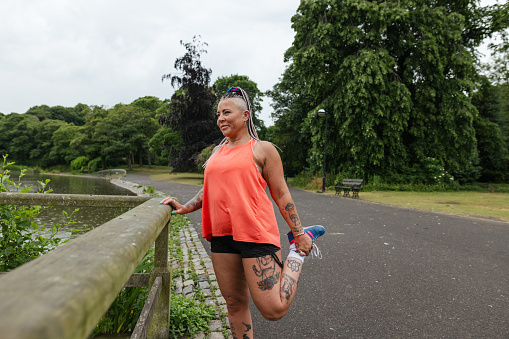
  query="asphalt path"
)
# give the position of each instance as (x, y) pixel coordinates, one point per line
(388, 272)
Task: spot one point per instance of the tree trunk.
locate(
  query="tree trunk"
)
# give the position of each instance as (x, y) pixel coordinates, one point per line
(149, 162)
(140, 156)
(129, 164)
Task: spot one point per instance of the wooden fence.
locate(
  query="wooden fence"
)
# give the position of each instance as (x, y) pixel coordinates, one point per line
(64, 293)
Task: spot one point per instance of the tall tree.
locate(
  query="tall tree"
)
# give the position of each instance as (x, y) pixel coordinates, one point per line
(62, 152)
(291, 104)
(125, 132)
(190, 111)
(492, 101)
(17, 136)
(75, 115)
(43, 143)
(396, 77)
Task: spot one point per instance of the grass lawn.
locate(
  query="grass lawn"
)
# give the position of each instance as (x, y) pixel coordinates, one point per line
(162, 173)
(182, 178)
(476, 204)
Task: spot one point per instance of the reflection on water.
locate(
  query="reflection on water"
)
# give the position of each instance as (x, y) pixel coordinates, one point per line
(86, 216)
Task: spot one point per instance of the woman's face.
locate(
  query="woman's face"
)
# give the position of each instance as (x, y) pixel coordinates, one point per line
(230, 118)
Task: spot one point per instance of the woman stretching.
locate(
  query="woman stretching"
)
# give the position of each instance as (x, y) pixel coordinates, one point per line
(239, 221)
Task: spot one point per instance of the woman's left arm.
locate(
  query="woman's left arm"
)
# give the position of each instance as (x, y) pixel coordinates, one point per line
(268, 159)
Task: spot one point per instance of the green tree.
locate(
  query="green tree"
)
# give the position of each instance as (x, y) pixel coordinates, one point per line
(396, 76)
(191, 109)
(291, 104)
(75, 115)
(149, 103)
(62, 152)
(166, 144)
(40, 152)
(17, 136)
(492, 101)
(85, 142)
(125, 132)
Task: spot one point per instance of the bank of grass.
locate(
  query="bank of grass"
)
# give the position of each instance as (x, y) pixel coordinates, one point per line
(481, 200)
(475, 204)
(182, 178)
(165, 174)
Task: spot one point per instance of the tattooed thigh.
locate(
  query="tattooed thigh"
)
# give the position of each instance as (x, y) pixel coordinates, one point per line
(287, 286)
(265, 268)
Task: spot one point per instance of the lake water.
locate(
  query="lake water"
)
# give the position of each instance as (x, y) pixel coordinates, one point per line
(86, 216)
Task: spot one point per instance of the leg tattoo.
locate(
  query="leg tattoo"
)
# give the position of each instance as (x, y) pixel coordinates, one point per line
(234, 334)
(265, 268)
(248, 327)
(287, 286)
(232, 329)
(293, 265)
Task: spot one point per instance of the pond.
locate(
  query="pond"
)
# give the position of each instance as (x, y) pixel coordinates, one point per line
(86, 217)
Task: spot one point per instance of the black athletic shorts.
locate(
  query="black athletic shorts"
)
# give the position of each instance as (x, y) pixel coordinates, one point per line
(226, 244)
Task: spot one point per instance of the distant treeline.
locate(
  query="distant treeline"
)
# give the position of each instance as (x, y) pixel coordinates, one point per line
(88, 137)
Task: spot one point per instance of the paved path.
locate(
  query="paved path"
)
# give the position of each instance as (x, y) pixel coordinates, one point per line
(390, 272)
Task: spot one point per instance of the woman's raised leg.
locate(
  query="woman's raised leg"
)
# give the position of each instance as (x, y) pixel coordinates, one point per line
(272, 287)
(232, 282)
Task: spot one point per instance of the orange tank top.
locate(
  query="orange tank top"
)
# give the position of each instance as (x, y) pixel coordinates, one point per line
(234, 198)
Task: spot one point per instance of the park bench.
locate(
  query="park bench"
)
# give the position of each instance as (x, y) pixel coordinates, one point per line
(348, 185)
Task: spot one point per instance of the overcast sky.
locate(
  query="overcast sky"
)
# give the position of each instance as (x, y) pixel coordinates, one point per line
(105, 52)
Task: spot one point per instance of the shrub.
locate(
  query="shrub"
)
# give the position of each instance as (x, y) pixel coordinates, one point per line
(149, 189)
(95, 165)
(79, 163)
(21, 239)
(188, 317)
(203, 157)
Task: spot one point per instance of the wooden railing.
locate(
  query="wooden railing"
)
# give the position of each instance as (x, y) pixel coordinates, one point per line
(64, 293)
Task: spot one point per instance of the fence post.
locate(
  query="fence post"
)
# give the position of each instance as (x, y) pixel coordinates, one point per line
(160, 325)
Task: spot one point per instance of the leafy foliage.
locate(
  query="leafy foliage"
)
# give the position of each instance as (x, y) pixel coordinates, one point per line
(112, 136)
(190, 111)
(75, 115)
(395, 76)
(167, 141)
(79, 163)
(22, 240)
(187, 318)
(492, 131)
(203, 157)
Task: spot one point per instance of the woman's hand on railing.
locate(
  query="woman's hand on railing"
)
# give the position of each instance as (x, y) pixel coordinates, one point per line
(177, 207)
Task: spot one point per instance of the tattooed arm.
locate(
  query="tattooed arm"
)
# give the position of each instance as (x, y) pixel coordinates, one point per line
(268, 160)
(192, 205)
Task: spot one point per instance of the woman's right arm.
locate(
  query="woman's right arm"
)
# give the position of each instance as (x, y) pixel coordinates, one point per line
(191, 206)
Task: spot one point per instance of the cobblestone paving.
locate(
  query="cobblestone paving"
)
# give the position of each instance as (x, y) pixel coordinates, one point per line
(194, 252)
